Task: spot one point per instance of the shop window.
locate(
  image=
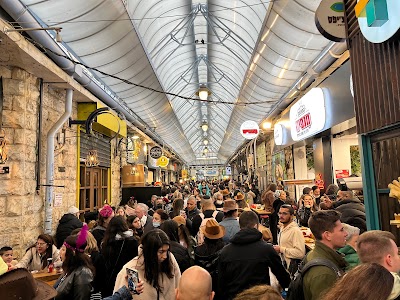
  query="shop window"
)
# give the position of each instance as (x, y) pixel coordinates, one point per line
(93, 187)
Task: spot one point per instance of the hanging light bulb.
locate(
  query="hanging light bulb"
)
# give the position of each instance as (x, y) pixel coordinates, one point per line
(204, 126)
(92, 160)
(205, 142)
(145, 149)
(205, 150)
(267, 125)
(203, 92)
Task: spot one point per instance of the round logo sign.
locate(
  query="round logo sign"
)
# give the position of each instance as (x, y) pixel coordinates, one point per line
(155, 152)
(249, 130)
(163, 161)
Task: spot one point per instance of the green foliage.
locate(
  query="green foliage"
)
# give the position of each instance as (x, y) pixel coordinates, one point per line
(355, 160)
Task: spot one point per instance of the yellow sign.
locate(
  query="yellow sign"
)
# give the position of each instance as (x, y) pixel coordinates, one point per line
(184, 173)
(163, 161)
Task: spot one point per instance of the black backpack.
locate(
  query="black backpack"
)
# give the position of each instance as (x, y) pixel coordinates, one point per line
(295, 291)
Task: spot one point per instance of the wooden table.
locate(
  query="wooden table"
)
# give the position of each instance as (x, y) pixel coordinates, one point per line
(261, 212)
(49, 278)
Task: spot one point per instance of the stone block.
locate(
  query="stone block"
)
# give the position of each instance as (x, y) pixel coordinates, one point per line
(19, 136)
(12, 187)
(13, 224)
(3, 200)
(17, 170)
(33, 204)
(32, 107)
(19, 104)
(13, 87)
(14, 206)
(33, 94)
(29, 186)
(29, 222)
(30, 171)
(5, 72)
(48, 101)
(7, 102)
(30, 153)
(19, 74)
(16, 153)
(14, 119)
(29, 237)
(31, 121)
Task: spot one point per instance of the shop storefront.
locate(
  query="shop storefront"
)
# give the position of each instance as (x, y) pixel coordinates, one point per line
(312, 126)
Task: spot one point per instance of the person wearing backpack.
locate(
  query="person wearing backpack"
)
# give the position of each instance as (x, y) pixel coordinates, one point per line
(330, 235)
(247, 259)
(208, 211)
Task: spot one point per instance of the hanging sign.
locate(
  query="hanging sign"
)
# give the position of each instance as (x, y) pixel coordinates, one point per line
(163, 161)
(155, 152)
(378, 19)
(249, 130)
(307, 116)
(329, 19)
(278, 134)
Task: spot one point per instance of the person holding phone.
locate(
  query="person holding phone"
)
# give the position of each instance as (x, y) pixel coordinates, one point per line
(156, 266)
(125, 294)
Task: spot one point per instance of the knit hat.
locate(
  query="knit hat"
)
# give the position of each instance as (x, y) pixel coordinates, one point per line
(106, 211)
(73, 210)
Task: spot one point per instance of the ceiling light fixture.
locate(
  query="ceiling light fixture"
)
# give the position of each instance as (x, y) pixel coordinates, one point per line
(205, 150)
(135, 137)
(205, 142)
(267, 125)
(203, 92)
(92, 160)
(204, 126)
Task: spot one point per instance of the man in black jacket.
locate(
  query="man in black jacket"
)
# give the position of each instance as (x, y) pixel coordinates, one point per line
(67, 224)
(246, 260)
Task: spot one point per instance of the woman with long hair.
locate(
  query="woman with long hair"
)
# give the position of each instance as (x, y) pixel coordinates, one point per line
(36, 256)
(118, 247)
(177, 206)
(364, 282)
(135, 225)
(185, 239)
(181, 254)
(76, 279)
(106, 213)
(156, 266)
(306, 207)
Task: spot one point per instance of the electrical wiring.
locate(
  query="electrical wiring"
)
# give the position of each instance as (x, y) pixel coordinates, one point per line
(237, 103)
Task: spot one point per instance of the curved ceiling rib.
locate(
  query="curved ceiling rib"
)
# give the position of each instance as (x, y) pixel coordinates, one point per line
(244, 51)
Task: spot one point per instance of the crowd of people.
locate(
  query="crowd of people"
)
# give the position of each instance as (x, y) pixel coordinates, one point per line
(203, 240)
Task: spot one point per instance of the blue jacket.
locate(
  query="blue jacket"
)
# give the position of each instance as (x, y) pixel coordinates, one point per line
(232, 227)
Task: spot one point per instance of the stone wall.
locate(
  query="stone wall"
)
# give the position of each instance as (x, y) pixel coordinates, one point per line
(21, 206)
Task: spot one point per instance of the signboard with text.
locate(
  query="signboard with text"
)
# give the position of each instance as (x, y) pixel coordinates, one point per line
(249, 130)
(342, 174)
(329, 19)
(307, 116)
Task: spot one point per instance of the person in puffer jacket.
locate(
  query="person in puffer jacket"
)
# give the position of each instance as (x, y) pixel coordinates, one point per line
(68, 223)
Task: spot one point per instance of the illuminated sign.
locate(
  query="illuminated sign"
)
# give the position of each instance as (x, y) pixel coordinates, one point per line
(163, 161)
(307, 116)
(378, 19)
(249, 130)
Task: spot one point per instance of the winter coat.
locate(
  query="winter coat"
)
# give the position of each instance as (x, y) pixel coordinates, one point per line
(98, 233)
(150, 293)
(291, 243)
(350, 256)
(232, 227)
(117, 253)
(181, 255)
(67, 224)
(191, 214)
(320, 278)
(353, 213)
(76, 285)
(303, 214)
(33, 261)
(245, 262)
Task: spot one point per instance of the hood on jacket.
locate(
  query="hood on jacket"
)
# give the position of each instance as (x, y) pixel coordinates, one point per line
(246, 236)
(67, 217)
